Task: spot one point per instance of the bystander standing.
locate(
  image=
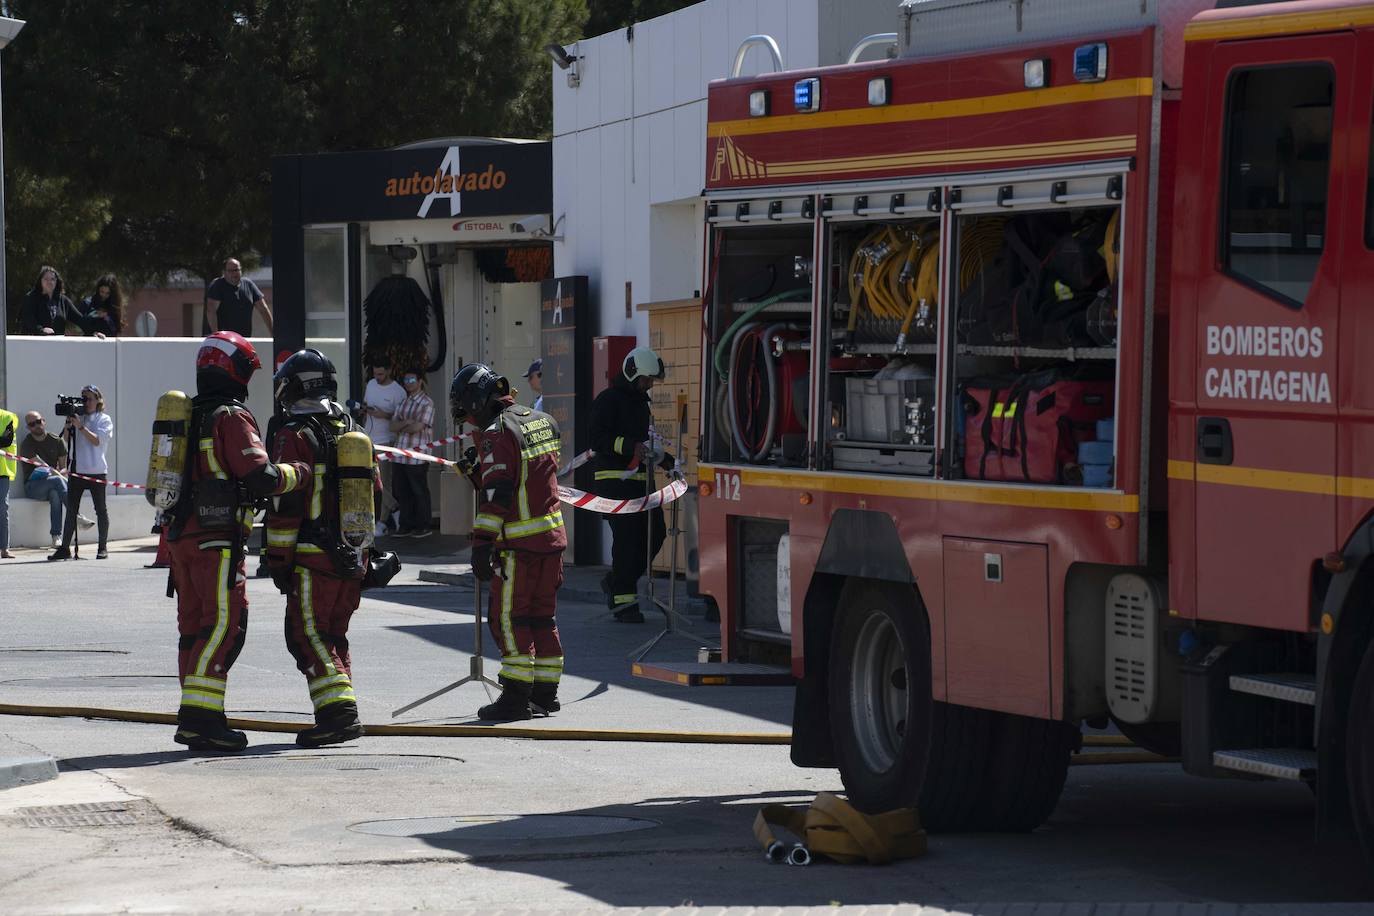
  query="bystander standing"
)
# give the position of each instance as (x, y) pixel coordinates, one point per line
(535, 374)
(413, 425)
(9, 429)
(46, 308)
(93, 430)
(103, 310)
(231, 300)
(380, 402)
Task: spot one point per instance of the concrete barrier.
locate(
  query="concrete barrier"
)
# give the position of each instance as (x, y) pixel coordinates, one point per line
(132, 373)
(130, 517)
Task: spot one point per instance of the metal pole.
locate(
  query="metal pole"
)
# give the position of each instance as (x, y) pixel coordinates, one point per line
(9, 28)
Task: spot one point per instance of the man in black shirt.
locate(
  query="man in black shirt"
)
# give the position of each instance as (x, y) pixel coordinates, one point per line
(231, 300)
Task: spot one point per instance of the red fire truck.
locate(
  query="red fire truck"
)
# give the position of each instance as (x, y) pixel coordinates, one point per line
(1033, 396)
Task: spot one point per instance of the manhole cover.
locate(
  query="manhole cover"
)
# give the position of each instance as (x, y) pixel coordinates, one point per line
(328, 763)
(478, 827)
(91, 814)
(92, 682)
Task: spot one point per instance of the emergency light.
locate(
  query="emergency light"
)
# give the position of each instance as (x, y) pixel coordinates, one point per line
(1090, 62)
(806, 95)
(1035, 73)
(880, 90)
(758, 103)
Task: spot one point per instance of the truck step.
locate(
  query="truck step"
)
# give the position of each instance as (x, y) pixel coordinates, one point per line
(714, 674)
(1293, 688)
(1292, 763)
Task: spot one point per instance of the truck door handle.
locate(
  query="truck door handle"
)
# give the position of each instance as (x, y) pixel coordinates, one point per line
(1214, 441)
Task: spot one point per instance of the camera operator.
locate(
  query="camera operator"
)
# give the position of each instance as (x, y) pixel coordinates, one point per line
(92, 430)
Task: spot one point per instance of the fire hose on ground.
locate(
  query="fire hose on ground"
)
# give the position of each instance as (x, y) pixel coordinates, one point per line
(415, 730)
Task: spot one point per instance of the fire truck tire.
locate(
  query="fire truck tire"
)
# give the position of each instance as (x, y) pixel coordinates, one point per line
(880, 698)
(1359, 752)
(1162, 738)
(959, 742)
(1028, 759)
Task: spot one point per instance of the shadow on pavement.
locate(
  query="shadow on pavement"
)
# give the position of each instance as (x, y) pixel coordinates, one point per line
(159, 758)
(1182, 852)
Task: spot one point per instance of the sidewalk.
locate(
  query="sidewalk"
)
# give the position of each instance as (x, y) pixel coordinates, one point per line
(21, 765)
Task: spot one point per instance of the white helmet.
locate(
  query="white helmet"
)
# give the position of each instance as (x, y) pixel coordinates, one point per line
(643, 362)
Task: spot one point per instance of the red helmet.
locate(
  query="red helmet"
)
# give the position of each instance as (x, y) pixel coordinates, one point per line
(229, 353)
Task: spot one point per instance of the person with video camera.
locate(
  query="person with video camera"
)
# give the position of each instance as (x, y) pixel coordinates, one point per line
(518, 538)
(228, 475)
(89, 430)
(315, 562)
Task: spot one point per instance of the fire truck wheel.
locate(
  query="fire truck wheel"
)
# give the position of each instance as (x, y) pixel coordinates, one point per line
(1162, 738)
(959, 740)
(1027, 761)
(1359, 752)
(880, 703)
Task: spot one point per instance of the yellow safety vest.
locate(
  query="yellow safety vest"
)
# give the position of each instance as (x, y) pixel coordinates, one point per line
(8, 422)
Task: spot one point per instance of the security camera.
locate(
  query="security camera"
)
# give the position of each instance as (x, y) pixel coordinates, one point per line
(560, 55)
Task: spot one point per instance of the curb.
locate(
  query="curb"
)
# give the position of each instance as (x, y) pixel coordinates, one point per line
(23, 771)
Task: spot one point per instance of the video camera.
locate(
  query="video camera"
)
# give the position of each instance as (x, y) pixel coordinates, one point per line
(69, 406)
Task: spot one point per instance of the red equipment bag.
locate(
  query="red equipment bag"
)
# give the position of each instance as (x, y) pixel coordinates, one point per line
(1027, 428)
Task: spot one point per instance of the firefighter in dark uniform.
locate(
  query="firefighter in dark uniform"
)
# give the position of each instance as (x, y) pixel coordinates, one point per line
(310, 562)
(228, 472)
(623, 469)
(518, 538)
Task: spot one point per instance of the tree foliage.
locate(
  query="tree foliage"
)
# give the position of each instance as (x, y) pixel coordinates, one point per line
(139, 135)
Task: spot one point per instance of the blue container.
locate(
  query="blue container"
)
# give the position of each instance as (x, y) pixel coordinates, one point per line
(1096, 453)
(1097, 475)
(1105, 429)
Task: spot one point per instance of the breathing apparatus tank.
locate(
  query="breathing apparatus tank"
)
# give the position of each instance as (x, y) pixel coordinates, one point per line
(167, 460)
(356, 519)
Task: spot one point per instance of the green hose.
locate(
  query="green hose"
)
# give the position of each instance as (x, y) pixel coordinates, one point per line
(724, 343)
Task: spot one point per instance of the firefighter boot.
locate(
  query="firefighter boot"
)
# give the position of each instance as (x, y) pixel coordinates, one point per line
(200, 730)
(512, 705)
(628, 613)
(544, 700)
(334, 724)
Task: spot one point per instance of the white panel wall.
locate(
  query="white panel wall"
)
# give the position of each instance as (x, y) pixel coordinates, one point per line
(632, 136)
(132, 373)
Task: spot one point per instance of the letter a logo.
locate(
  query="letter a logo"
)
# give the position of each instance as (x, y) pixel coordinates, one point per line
(449, 166)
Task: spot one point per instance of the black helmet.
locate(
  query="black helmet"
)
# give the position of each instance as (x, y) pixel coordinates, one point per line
(473, 386)
(306, 375)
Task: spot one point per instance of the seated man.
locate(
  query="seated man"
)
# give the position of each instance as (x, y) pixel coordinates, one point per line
(41, 482)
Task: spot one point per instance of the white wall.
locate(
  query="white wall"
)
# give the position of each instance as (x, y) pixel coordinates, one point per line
(132, 373)
(629, 145)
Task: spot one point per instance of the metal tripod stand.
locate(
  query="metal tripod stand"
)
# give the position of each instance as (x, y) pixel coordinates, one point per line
(475, 672)
(674, 624)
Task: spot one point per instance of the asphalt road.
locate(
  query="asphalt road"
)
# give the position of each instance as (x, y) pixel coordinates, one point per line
(494, 823)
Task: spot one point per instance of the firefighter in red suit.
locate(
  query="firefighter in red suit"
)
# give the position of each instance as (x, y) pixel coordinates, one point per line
(320, 574)
(228, 471)
(518, 538)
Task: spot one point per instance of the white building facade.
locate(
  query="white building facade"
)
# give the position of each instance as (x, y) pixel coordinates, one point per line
(629, 138)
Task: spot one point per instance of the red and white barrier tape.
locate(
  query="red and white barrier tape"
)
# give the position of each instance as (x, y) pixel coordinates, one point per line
(109, 483)
(577, 498)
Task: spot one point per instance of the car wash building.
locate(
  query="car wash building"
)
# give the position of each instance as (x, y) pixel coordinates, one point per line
(425, 257)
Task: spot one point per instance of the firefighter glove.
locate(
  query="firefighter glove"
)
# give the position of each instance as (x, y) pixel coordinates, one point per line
(668, 462)
(481, 560)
